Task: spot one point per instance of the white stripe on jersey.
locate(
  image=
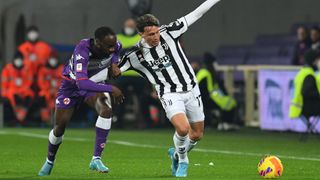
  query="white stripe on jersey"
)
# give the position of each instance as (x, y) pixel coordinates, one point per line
(165, 65)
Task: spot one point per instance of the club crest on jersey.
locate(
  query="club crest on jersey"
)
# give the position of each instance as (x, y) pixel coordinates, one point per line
(79, 67)
(165, 46)
(66, 101)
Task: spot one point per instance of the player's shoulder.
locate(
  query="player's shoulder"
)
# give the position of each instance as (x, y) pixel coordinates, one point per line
(83, 47)
(133, 50)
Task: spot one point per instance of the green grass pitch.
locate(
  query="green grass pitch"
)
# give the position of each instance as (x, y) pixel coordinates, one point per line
(143, 154)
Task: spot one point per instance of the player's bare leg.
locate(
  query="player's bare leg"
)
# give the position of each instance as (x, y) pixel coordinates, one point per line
(195, 134)
(102, 104)
(62, 117)
(181, 142)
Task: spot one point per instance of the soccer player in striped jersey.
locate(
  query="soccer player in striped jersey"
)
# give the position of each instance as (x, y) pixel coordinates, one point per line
(159, 58)
(83, 76)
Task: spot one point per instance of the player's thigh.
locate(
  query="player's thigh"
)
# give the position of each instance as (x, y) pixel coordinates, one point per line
(174, 107)
(194, 106)
(181, 123)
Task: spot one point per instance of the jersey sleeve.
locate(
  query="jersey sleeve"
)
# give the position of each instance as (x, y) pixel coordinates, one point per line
(80, 62)
(125, 63)
(177, 28)
(116, 55)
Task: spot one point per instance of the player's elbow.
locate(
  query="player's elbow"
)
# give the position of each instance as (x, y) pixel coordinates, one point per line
(81, 84)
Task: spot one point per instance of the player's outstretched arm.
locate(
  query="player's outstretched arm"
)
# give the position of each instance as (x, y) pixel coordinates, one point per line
(201, 10)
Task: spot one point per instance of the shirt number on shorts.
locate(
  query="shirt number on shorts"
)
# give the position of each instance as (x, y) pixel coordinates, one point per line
(166, 102)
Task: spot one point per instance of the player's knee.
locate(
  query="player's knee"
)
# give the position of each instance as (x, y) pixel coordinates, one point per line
(196, 136)
(183, 130)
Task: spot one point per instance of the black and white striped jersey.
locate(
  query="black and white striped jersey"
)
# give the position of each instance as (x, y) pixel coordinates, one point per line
(165, 66)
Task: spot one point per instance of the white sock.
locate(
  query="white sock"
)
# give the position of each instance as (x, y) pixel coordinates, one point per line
(104, 123)
(181, 144)
(53, 139)
(192, 144)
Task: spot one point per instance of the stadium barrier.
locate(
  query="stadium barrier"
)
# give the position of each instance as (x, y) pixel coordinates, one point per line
(250, 72)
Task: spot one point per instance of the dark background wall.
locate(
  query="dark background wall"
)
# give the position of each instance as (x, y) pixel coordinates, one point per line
(230, 22)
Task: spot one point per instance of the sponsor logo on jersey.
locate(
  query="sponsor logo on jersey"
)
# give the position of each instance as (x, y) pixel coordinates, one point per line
(79, 67)
(79, 57)
(162, 60)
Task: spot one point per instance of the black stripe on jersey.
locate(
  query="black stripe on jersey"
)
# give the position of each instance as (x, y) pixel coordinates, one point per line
(175, 65)
(175, 26)
(155, 56)
(123, 61)
(145, 64)
(183, 60)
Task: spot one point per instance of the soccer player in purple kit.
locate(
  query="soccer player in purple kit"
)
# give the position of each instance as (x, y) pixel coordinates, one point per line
(93, 60)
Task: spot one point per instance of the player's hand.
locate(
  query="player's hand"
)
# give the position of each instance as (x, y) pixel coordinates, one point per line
(117, 95)
(115, 71)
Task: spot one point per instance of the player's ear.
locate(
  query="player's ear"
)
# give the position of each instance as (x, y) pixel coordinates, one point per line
(141, 34)
(97, 43)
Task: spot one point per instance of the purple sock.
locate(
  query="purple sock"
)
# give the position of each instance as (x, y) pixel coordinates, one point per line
(52, 151)
(101, 138)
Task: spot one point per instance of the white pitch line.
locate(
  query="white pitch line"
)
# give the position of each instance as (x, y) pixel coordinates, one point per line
(125, 143)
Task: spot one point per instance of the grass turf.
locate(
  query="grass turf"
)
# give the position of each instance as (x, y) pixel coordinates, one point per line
(143, 154)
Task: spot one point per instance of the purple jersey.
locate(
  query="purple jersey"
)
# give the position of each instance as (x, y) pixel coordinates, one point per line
(84, 63)
(78, 72)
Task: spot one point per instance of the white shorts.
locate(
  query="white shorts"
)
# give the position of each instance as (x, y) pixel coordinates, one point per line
(189, 103)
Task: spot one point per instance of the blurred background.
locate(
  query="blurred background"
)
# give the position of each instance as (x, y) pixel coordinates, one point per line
(252, 48)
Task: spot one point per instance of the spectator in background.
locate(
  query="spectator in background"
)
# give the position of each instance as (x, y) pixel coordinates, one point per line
(129, 35)
(306, 100)
(214, 95)
(315, 38)
(35, 51)
(16, 86)
(49, 80)
(303, 44)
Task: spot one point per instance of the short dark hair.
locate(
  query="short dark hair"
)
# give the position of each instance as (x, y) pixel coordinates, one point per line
(145, 21)
(102, 32)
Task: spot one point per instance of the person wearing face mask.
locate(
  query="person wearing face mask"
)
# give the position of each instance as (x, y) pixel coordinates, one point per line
(306, 99)
(214, 94)
(16, 86)
(129, 35)
(48, 81)
(35, 51)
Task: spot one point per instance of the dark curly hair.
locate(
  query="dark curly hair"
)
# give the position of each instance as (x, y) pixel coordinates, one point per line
(101, 32)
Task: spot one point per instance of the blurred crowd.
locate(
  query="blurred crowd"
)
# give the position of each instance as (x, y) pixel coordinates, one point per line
(308, 38)
(30, 81)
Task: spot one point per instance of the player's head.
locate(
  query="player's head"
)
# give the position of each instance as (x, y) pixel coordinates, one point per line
(105, 39)
(148, 28)
(33, 34)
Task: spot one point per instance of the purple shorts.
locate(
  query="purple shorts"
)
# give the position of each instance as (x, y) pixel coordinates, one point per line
(69, 96)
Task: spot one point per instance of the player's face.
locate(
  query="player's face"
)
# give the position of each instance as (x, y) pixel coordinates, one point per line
(107, 45)
(151, 35)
